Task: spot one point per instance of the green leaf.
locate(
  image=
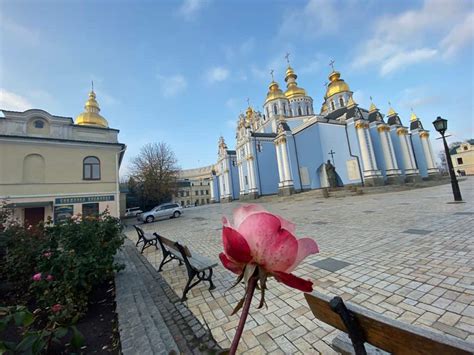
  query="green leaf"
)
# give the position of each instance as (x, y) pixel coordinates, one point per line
(28, 319)
(4, 322)
(60, 332)
(77, 339)
(27, 343)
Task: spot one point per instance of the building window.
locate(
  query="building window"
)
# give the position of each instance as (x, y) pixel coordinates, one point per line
(300, 113)
(268, 112)
(207, 192)
(284, 109)
(90, 209)
(460, 162)
(91, 169)
(202, 201)
(202, 192)
(275, 109)
(246, 180)
(341, 101)
(39, 124)
(207, 200)
(333, 106)
(196, 193)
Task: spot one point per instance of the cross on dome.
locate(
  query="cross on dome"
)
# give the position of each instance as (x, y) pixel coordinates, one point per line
(331, 64)
(287, 56)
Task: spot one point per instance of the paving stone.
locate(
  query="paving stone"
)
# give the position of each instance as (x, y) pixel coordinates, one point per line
(419, 277)
(330, 264)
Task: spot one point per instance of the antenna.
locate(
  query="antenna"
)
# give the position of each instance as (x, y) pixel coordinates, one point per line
(271, 73)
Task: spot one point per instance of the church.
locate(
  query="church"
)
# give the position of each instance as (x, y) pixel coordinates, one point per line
(290, 147)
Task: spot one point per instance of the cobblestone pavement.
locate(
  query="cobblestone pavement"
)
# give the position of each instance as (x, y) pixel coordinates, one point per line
(408, 255)
(151, 318)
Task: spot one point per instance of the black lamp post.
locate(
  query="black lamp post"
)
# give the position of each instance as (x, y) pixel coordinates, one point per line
(441, 125)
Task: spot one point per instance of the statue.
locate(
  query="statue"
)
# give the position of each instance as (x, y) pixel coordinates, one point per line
(331, 174)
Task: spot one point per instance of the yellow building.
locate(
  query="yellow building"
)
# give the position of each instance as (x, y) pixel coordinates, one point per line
(194, 187)
(51, 166)
(462, 157)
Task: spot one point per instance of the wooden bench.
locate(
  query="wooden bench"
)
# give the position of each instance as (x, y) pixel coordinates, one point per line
(365, 326)
(196, 265)
(148, 239)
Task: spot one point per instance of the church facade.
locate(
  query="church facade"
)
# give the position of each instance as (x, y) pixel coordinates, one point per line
(290, 148)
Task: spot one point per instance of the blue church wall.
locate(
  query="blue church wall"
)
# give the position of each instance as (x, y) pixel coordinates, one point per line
(354, 149)
(215, 188)
(267, 168)
(309, 155)
(378, 151)
(333, 138)
(234, 176)
(293, 161)
(397, 149)
(419, 153)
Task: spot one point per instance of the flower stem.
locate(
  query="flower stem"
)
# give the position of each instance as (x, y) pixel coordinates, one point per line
(245, 312)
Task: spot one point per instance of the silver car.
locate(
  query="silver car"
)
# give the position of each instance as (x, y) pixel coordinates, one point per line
(166, 210)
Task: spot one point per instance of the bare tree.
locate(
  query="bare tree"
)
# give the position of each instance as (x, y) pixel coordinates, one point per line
(154, 174)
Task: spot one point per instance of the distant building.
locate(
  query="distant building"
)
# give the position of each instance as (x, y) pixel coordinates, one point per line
(194, 187)
(462, 157)
(290, 147)
(51, 166)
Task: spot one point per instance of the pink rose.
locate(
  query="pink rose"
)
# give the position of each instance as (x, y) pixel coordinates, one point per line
(56, 308)
(47, 254)
(49, 278)
(37, 277)
(260, 238)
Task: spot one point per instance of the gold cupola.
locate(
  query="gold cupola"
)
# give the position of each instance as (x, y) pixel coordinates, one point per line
(336, 84)
(391, 112)
(351, 102)
(413, 117)
(91, 116)
(249, 112)
(373, 108)
(274, 92)
(292, 89)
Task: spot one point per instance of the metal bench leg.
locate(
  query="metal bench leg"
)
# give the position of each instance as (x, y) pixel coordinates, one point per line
(188, 286)
(211, 284)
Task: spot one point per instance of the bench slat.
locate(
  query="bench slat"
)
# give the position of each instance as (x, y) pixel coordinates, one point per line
(388, 334)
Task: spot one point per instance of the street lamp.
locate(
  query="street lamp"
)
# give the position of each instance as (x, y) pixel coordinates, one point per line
(441, 125)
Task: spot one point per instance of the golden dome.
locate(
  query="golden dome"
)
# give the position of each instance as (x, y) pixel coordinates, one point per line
(91, 116)
(274, 92)
(249, 112)
(391, 112)
(324, 108)
(351, 102)
(372, 107)
(336, 84)
(292, 88)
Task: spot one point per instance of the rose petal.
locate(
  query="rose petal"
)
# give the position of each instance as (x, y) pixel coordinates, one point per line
(273, 248)
(285, 224)
(230, 265)
(235, 246)
(244, 211)
(294, 281)
(306, 246)
(226, 222)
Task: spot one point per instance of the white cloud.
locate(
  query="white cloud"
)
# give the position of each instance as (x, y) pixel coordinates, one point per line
(14, 102)
(460, 36)
(217, 74)
(417, 97)
(403, 59)
(415, 36)
(189, 9)
(318, 17)
(172, 85)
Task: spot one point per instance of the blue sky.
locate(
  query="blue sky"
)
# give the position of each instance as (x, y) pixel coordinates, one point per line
(181, 71)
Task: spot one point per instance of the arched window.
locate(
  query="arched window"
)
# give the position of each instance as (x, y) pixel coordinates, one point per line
(268, 112)
(39, 124)
(284, 109)
(341, 101)
(33, 168)
(300, 113)
(91, 170)
(275, 109)
(333, 106)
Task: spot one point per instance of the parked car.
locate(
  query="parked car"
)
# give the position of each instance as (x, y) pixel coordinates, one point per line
(133, 212)
(166, 210)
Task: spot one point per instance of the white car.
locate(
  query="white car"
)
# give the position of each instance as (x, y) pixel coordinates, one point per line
(133, 212)
(166, 210)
